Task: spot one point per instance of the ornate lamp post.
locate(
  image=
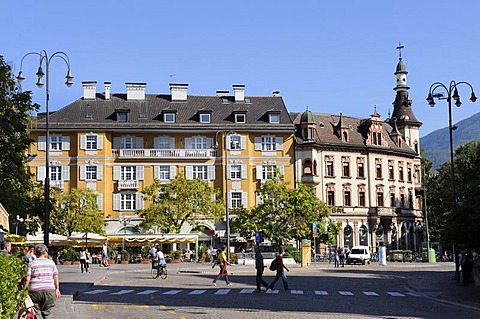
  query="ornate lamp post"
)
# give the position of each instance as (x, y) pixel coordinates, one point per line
(44, 59)
(452, 93)
(124, 221)
(227, 212)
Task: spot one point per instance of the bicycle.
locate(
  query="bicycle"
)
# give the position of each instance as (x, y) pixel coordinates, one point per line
(159, 270)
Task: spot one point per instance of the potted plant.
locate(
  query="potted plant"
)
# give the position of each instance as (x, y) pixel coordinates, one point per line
(70, 255)
(176, 255)
(125, 256)
(202, 250)
(112, 254)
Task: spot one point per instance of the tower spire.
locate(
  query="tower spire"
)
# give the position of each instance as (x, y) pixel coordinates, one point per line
(399, 48)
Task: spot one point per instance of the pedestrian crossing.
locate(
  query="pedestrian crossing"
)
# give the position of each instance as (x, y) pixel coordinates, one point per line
(246, 291)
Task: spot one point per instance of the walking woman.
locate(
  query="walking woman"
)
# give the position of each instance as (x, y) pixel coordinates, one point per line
(223, 263)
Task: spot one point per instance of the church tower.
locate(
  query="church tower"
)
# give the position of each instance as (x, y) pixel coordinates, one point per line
(406, 122)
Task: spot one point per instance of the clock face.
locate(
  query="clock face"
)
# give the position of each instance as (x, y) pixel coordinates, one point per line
(347, 231)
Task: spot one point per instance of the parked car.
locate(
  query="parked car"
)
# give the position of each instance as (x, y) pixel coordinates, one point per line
(359, 254)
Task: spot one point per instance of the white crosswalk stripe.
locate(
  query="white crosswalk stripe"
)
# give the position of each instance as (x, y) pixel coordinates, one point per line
(97, 291)
(198, 292)
(122, 292)
(147, 292)
(370, 293)
(222, 291)
(272, 291)
(227, 291)
(247, 291)
(395, 294)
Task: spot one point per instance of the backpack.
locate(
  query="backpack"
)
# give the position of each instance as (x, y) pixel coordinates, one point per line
(274, 265)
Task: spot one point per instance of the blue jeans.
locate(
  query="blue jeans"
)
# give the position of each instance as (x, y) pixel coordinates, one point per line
(280, 274)
(220, 276)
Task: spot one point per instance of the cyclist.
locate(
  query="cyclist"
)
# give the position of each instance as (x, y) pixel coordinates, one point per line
(160, 258)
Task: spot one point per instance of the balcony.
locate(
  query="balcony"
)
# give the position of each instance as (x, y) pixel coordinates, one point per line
(57, 184)
(165, 153)
(127, 184)
(311, 179)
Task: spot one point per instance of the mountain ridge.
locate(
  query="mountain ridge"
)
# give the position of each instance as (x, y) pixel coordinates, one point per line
(436, 145)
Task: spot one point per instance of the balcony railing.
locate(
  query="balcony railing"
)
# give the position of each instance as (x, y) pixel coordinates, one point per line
(57, 184)
(127, 184)
(164, 153)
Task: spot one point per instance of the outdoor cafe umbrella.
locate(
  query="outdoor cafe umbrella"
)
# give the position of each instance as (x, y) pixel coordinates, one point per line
(55, 239)
(87, 238)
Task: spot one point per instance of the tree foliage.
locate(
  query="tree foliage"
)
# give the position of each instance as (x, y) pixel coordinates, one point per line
(283, 213)
(16, 186)
(11, 298)
(77, 211)
(178, 202)
(457, 223)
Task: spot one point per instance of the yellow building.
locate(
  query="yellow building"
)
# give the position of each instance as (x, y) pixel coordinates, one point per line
(116, 144)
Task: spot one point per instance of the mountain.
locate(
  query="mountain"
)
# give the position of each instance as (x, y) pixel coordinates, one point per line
(436, 145)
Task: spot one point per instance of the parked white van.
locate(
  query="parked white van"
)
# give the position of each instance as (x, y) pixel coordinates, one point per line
(359, 254)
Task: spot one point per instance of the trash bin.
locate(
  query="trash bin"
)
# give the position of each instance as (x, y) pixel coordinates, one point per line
(407, 256)
(428, 257)
(396, 255)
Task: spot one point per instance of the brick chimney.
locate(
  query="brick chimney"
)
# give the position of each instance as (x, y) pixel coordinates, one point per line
(178, 91)
(89, 90)
(239, 90)
(107, 90)
(135, 91)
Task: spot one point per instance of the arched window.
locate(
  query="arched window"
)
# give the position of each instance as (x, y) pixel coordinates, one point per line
(307, 167)
(345, 136)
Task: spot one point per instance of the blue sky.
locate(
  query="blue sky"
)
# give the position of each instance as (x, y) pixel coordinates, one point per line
(329, 56)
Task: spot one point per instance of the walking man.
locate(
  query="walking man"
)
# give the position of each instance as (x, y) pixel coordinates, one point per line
(42, 277)
(104, 255)
(280, 272)
(259, 266)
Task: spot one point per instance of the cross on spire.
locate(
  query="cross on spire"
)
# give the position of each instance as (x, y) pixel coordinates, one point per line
(399, 48)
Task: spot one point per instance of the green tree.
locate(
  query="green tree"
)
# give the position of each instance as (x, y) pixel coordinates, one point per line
(77, 211)
(283, 213)
(17, 193)
(178, 202)
(458, 223)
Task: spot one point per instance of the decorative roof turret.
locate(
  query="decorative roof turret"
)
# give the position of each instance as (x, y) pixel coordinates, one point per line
(402, 109)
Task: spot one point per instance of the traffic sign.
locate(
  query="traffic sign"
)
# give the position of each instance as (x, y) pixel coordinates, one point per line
(314, 226)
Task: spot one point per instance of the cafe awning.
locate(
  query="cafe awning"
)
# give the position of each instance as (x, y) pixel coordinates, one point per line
(143, 239)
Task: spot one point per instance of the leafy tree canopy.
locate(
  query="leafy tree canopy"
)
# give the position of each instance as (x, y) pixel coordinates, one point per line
(178, 202)
(283, 213)
(16, 186)
(457, 223)
(77, 211)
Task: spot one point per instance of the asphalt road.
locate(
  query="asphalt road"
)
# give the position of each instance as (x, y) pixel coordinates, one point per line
(351, 292)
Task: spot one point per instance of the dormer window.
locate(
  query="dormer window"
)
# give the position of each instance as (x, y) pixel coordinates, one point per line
(169, 117)
(205, 117)
(240, 118)
(274, 117)
(122, 115)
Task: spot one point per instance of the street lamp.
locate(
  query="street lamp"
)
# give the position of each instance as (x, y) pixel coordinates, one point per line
(452, 93)
(227, 212)
(124, 221)
(45, 59)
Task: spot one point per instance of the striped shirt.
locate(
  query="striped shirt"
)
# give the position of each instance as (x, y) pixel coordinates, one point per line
(41, 272)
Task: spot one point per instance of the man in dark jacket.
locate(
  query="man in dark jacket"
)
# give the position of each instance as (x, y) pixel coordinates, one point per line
(259, 266)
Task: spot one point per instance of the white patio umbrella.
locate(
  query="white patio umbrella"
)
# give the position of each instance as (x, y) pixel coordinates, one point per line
(87, 238)
(55, 239)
